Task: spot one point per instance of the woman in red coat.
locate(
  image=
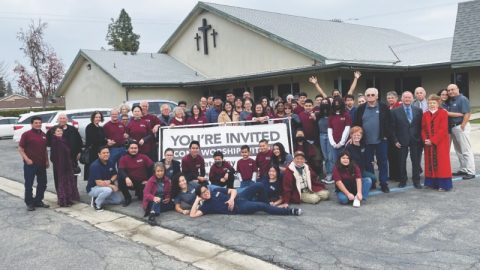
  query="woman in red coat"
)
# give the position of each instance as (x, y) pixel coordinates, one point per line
(438, 173)
(157, 195)
(300, 183)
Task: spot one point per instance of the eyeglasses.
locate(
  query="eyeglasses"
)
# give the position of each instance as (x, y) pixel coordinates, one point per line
(370, 95)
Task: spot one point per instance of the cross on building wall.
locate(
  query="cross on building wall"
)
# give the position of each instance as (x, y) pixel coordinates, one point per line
(197, 38)
(204, 29)
(214, 35)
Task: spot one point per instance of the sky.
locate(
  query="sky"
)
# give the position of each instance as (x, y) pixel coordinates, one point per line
(82, 24)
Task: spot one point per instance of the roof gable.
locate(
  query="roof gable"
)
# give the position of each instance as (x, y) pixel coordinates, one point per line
(466, 40)
(319, 39)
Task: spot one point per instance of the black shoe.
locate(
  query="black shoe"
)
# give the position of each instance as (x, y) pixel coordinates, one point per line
(151, 220)
(401, 185)
(98, 209)
(127, 202)
(374, 186)
(459, 173)
(417, 185)
(30, 207)
(468, 176)
(385, 189)
(41, 204)
(296, 211)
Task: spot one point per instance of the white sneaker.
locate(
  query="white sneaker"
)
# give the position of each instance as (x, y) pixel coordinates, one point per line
(356, 202)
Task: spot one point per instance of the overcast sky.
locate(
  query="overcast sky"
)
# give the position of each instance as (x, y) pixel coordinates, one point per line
(82, 24)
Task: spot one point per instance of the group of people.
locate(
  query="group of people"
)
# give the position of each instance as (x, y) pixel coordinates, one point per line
(334, 142)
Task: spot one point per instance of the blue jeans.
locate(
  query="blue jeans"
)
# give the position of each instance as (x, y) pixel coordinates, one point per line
(29, 173)
(159, 207)
(116, 153)
(243, 206)
(366, 184)
(255, 191)
(327, 152)
(246, 183)
(370, 175)
(336, 152)
(380, 151)
(105, 195)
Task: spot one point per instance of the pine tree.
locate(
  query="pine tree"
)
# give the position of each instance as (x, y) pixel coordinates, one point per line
(9, 89)
(120, 34)
(3, 88)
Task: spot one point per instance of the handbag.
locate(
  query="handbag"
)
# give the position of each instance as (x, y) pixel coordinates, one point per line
(85, 156)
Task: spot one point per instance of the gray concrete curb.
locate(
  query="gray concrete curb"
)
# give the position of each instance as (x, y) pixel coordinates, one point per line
(184, 248)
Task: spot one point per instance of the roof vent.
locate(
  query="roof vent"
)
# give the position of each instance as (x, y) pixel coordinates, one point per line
(337, 20)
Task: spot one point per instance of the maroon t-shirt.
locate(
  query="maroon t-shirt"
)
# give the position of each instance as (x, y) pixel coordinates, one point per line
(115, 131)
(151, 119)
(246, 168)
(136, 167)
(139, 129)
(263, 162)
(338, 122)
(309, 126)
(218, 172)
(176, 122)
(194, 121)
(193, 167)
(34, 142)
(349, 180)
(298, 109)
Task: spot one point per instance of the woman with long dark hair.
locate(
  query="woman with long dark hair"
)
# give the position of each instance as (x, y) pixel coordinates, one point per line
(228, 114)
(94, 138)
(139, 130)
(280, 157)
(323, 114)
(339, 123)
(349, 185)
(197, 116)
(183, 193)
(258, 115)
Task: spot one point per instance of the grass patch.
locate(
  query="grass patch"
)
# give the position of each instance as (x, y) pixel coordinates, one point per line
(475, 109)
(476, 121)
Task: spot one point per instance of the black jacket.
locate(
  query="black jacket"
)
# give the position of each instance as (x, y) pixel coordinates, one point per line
(404, 132)
(384, 119)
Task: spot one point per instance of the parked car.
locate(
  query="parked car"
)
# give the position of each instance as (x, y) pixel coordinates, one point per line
(154, 105)
(6, 126)
(78, 118)
(24, 124)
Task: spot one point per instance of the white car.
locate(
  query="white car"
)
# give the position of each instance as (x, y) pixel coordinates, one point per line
(154, 105)
(6, 126)
(24, 124)
(78, 118)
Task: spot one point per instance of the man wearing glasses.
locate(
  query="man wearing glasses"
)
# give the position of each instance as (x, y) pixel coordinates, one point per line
(374, 118)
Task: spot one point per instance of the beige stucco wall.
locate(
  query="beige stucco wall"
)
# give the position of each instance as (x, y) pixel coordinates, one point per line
(190, 95)
(93, 88)
(239, 51)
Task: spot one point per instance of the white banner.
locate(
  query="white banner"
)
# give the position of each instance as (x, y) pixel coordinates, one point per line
(227, 139)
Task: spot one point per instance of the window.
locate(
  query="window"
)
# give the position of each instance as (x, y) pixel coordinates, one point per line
(260, 91)
(238, 92)
(344, 87)
(370, 82)
(4, 121)
(461, 80)
(286, 89)
(407, 84)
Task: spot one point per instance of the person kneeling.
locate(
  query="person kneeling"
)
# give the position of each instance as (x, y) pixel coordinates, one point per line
(157, 194)
(221, 173)
(225, 201)
(348, 181)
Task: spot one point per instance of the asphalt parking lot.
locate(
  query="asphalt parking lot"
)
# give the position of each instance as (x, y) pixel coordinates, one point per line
(406, 229)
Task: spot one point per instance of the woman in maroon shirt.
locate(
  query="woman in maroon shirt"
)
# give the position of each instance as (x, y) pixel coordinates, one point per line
(157, 197)
(197, 117)
(178, 117)
(349, 184)
(259, 115)
(139, 130)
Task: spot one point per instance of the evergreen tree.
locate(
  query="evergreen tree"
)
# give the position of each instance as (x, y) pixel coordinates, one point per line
(120, 34)
(3, 88)
(9, 89)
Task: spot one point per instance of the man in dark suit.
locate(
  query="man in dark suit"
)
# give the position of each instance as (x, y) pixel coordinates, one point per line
(406, 126)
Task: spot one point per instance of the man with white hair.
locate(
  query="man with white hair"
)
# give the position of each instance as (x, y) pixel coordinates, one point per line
(374, 118)
(459, 115)
(420, 99)
(73, 139)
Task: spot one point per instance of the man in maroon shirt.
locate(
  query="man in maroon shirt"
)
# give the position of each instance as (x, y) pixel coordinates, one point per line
(221, 173)
(193, 164)
(134, 170)
(263, 159)
(115, 132)
(246, 167)
(154, 124)
(33, 150)
(309, 123)
(302, 97)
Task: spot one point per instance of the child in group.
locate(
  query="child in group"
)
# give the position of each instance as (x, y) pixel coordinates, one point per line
(263, 159)
(349, 184)
(246, 167)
